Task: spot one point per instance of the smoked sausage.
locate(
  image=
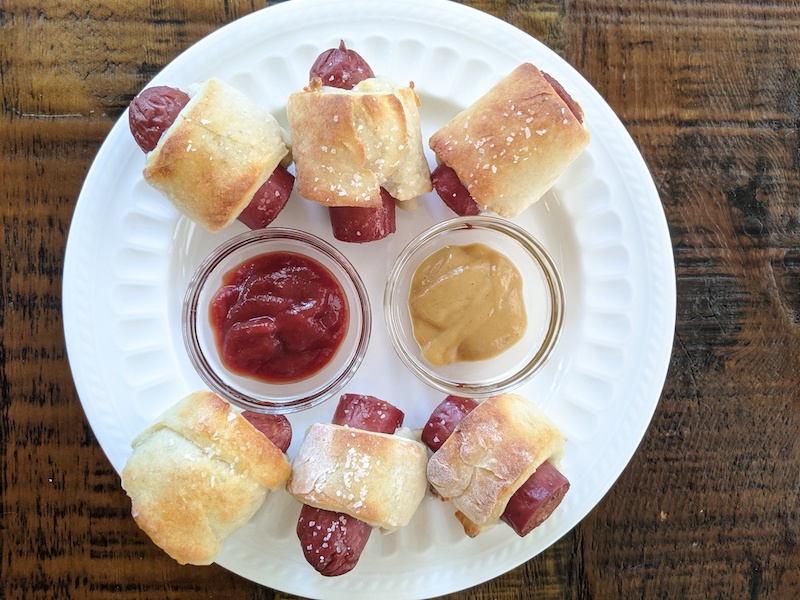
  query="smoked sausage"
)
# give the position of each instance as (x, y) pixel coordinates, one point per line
(368, 413)
(357, 224)
(509, 147)
(331, 541)
(534, 501)
(154, 110)
(452, 192)
(268, 200)
(344, 68)
(564, 95)
(444, 420)
(276, 427)
(341, 68)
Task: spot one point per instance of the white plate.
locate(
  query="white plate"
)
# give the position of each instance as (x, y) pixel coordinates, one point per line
(130, 255)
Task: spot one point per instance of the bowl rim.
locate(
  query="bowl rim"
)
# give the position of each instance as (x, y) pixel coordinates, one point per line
(191, 312)
(553, 325)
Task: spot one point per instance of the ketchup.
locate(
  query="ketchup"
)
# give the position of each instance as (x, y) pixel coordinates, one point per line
(278, 317)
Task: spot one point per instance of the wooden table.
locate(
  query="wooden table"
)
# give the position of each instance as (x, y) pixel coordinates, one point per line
(709, 507)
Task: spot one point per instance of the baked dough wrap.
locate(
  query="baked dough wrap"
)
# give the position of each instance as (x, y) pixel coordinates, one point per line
(198, 474)
(511, 145)
(347, 144)
(377, 478)
(220, 150)
(489, 455)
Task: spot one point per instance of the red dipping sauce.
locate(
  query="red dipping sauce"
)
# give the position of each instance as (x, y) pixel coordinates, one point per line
(278, 317)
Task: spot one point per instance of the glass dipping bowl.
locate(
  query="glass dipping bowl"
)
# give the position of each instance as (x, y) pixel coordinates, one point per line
(249, 393)
(544, 303)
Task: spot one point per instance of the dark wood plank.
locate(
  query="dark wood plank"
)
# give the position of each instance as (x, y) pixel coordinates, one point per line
(708, 508)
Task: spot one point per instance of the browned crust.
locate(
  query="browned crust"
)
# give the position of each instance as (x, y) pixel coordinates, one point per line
(511, 145)
(198, 474)
(215, 156)
(489, 455)
(349, 144)
(375, 477)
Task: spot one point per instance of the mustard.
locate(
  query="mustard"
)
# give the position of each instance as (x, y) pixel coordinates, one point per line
(466, 304)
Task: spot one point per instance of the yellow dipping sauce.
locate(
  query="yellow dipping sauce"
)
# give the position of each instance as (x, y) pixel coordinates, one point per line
(466, 304)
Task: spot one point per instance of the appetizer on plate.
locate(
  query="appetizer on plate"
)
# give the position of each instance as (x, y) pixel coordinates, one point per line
(362, 471)
(494, 460)
(357, 145)
(510, 146)
(214, 153)
(201, 472)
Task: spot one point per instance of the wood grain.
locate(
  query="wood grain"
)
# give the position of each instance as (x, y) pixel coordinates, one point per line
(709, 93)
(709, 507)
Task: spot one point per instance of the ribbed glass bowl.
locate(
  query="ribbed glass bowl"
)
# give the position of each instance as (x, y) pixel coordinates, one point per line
(249, 393)
(543, 296)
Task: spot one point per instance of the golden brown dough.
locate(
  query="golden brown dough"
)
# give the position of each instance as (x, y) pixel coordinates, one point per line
(375, 477)
(489, 455)
(220, 150)
(198, 474)
(347, 144)
(511, 145)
